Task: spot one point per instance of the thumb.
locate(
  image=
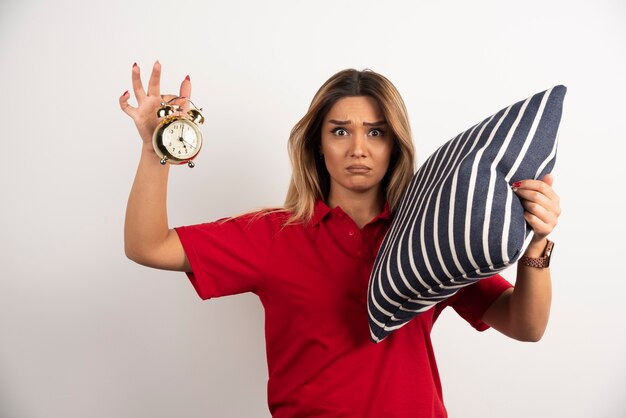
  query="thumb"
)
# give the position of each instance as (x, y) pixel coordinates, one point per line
(548, 178)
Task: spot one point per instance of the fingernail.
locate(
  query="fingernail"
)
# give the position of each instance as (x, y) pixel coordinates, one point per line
(125, 93)
(134, 65)
(183, 97)
(514, 189)
(187, 78)
(517, 184)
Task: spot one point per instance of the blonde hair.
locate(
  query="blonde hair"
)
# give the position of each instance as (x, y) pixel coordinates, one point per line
(310, 180)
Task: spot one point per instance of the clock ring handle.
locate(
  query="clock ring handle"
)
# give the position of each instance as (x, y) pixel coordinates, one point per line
(163, 103)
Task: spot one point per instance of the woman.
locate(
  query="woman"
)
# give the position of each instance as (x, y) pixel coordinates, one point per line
(309, 262)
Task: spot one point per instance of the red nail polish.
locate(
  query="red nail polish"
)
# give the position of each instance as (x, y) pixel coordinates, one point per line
(125, 93)
(517, 184)
(134, 65)
(187, 78)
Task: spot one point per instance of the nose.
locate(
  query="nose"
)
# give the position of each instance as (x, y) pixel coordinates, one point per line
(358, 147)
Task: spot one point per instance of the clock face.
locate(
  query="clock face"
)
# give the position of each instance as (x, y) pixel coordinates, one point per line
(181, 139)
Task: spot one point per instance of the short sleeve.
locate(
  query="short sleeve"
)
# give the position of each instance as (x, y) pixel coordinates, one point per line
(472, 301)
(227, 257)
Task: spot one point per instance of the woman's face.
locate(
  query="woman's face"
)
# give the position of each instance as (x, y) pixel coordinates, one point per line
(356, 144)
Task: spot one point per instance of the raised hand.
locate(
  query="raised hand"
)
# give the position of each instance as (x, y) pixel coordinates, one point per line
(144, 115)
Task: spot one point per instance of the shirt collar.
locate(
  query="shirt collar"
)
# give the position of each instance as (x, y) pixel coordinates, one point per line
(322, 210)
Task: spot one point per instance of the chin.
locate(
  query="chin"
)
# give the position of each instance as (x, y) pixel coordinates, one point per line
(357, 185)
(361, 188)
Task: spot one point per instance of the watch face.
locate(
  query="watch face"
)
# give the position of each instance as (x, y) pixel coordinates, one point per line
(181, 139)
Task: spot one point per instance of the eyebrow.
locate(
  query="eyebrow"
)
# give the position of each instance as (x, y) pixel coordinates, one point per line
(347, 122)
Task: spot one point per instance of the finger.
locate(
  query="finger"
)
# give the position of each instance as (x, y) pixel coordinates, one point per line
(126, 108)
(548, 178)
(140, 93)
(185, 88)
(538, 186)
(536, 197)
(533, 198)
(185, 91)
(546, 215)
(154, 85)
(542, 221)
(540, 228)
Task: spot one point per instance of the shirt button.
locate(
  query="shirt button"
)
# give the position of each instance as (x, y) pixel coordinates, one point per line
(351, 232)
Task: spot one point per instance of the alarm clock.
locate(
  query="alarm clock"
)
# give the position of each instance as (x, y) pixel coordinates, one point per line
(177, 138)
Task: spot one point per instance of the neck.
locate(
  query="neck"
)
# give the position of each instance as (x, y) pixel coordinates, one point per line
(361, 207)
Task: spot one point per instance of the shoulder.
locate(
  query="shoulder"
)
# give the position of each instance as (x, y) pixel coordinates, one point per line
(259, 216)
(248, 233)
(269, 220)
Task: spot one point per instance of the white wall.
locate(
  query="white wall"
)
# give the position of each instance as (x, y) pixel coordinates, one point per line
(85, 332)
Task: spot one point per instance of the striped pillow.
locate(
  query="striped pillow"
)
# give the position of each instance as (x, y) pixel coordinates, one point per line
(459, 220)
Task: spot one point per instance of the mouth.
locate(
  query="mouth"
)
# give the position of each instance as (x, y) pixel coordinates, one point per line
(358, 169)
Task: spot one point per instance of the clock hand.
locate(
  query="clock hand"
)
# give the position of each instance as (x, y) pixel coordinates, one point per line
(181, 138)
(184, 140)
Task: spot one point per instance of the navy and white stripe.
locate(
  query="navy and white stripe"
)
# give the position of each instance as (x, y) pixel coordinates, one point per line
(459, 221)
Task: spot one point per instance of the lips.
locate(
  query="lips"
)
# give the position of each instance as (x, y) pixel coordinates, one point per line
(358, 169)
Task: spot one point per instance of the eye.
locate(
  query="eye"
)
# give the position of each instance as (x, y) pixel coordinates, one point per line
(377, 132)
(340, 132)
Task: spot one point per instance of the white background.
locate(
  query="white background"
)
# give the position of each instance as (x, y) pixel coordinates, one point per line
(84, 332)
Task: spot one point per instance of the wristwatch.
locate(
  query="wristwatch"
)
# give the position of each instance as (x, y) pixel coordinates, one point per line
(539, 262)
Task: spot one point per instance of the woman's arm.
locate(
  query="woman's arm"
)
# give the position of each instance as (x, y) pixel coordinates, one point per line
(522, 312)
(147, 237)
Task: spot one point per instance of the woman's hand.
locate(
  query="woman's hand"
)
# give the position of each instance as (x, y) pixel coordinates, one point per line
(522, 312)
(145, 114)
(541, 204)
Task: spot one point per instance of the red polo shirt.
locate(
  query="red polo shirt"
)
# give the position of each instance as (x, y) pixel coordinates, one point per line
(312, 280)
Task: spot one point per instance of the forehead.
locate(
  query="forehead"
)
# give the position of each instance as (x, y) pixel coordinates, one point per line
(357, 108)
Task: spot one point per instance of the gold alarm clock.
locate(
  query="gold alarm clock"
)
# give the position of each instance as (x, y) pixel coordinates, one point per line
(177, 139)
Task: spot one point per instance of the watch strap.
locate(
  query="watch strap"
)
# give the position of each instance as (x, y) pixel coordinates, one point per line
(539, 262)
